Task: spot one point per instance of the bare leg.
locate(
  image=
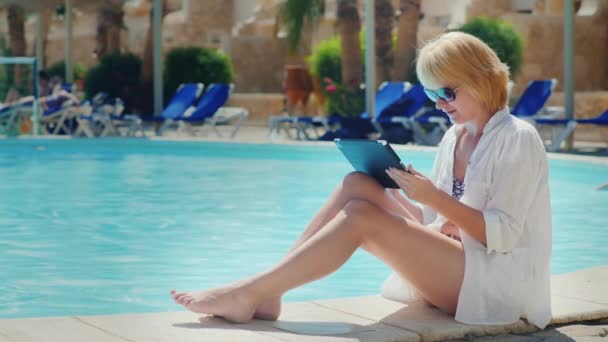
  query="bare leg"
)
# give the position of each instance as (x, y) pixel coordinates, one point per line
(355, 185)
(402, 244)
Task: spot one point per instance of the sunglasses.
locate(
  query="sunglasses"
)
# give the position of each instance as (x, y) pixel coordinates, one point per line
(446, 94)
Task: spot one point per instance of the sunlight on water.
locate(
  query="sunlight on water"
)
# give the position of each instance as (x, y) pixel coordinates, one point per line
(109, 226)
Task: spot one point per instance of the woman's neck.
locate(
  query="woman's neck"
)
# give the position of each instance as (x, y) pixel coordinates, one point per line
(475, 127)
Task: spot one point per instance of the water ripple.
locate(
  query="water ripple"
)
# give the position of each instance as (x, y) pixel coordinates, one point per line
(109, 226)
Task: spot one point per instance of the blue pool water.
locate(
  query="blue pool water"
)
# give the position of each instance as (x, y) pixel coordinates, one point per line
(109, 226)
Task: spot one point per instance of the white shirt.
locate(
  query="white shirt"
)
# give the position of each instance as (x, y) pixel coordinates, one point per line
(507, 180)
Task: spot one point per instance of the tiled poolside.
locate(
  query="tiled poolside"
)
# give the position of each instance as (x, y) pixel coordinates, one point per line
(576, 297)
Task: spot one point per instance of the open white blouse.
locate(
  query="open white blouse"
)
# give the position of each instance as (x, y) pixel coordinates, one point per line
(507, 180)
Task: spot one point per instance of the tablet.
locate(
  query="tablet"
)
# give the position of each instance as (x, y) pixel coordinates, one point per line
(372, 157)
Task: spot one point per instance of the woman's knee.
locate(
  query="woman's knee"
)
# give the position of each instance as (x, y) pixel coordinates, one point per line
(360, 181)
(371, 224)
(364, 214)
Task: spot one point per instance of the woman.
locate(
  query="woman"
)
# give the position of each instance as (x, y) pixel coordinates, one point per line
(477, 244)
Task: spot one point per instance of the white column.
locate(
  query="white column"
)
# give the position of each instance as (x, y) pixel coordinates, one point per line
(39, 55)
(186, 9)
(370, 59)
(158, 67)
(569, 64)
(69, 67)
(37, 66)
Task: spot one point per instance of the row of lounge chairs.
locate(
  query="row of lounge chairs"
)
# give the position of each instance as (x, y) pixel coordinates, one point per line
(188, 113)
(401, 116)
(192, 108)
(532, 107)
(54, 120)
(402, 106)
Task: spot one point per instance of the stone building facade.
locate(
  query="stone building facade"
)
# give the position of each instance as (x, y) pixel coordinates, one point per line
(244, 29)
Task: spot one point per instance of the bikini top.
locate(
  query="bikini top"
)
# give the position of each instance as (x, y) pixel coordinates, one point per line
(457, 189)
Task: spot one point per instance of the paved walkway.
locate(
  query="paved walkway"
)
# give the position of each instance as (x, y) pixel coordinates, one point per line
(578, 298)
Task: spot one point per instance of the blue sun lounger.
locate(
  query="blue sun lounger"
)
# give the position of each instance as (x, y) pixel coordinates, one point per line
(561, 129)
(210, 110)
(185, 96)
(350, 127)
(534, 98)
(390, 98)
(427, 125)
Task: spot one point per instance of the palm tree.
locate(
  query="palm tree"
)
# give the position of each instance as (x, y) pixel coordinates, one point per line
(407, 31)
(110, 21)
(16, 31)
(297, 17)
(384, 18)
(348, 25)
(46, 17)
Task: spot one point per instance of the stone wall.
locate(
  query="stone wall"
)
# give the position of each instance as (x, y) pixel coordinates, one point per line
(544, 50)
(83, 40)
(488, 8)
(260, 106)
(258, 63)
(209, 23)
(259, 58)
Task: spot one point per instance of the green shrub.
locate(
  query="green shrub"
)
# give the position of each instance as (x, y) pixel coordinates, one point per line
(326, 66)
(325, 60)
(58, 70)
(501, 37)
(196, 64)
(116, 74)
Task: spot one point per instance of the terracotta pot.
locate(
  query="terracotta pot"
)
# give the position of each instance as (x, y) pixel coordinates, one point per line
(26, 125)
(298, 84)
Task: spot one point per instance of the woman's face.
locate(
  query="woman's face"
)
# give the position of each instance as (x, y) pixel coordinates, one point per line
(463, 108)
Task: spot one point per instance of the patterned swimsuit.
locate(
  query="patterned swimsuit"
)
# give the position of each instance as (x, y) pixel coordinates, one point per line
(457, 192)
(457, 189)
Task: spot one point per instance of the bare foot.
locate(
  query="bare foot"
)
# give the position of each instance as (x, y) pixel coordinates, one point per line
(269, 310)
(232, 303)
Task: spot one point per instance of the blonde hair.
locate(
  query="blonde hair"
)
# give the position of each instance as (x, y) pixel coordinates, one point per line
(460, 59)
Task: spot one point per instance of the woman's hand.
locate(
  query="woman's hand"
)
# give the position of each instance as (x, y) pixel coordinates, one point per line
(451, 230)
(414, 184)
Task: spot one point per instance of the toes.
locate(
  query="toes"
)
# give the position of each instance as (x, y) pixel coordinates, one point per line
(178, 295)
(182, 300)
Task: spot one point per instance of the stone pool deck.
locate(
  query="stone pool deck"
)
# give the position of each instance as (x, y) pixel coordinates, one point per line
(579, 301)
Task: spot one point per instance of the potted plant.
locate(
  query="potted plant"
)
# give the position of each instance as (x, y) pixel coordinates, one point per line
(295, 18)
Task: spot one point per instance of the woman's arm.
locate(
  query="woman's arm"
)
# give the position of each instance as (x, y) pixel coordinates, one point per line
(466, 218)
(421, 189)
(415, 210)
(498, 225)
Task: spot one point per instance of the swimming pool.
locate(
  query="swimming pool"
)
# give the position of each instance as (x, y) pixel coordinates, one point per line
(109, 226)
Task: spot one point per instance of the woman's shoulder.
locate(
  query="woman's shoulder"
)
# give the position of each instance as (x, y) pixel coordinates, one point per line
(522, 135)
(521, 130)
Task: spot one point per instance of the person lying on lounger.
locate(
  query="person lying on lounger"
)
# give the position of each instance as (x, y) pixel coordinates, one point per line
(12, 96)
(51, 94)
(488, 190)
